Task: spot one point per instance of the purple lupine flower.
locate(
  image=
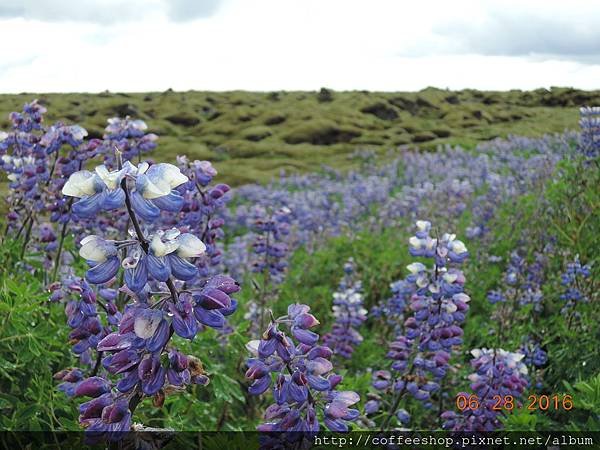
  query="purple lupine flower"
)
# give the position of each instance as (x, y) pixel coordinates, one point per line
(535, 357)
(391, 311)
(129, 136)
(420, 355)
(349, 314)
(574, 280)
(521, 286)
(101, 190)
(269, 245)
(135, 361)
(166, 256)
(497, 373)
(590, 131)
(202, 211)
(304, 381)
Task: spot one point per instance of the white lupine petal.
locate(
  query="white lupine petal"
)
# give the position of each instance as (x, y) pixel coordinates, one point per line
(162, 248)
(415, 242)
(423, 225)
(450, 277)
(111, 179)
(171, 234)
(94, 248)
(157, 246)
(252, 346)
(166, 174)
(190, 246)
(142, 167)
(415, 267)
(450, 307)
(3, 135)
(139, 125)
(78, 132)
(462, 297)
(458, 247)
(146, 323)
(80, 184)
(431, 243)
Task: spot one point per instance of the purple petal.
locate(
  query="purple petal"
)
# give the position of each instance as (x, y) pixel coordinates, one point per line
(181, 269)
(89, 206)
(144, 208)
(214, 299)
(172, 202)
(137, 277)
(259, 386)
(159, 338)
(158, 268)
(103, 272)
(305, 336)
(213, 318)
(337, 426)
(92, 387)
(127, 383)
(113, 199)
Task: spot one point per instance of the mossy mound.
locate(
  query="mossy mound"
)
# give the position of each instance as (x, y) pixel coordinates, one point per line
(304, 130)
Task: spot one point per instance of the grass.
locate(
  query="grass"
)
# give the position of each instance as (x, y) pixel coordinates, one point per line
(251, 136)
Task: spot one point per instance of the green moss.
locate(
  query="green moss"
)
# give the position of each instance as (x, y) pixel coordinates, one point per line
(256, 133)
(297, 130)
(321, 132)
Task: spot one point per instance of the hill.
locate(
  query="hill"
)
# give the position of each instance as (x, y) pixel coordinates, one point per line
(251, 136)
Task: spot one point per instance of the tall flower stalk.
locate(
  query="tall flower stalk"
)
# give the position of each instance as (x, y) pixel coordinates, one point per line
(349, 314)
(300, 375)
(420, 356)
(137, 360)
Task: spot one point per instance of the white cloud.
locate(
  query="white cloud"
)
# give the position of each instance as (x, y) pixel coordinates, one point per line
(301, 44)
(105, 11)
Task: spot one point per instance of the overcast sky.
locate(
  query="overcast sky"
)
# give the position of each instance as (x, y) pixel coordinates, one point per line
(153, 45)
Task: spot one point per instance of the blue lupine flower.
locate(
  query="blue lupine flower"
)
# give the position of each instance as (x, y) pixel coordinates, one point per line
(498, 373)
(421, 353)
(101, 190)
(303, 377)
(349, 314)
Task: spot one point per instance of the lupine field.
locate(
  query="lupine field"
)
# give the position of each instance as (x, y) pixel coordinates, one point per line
(422, 289)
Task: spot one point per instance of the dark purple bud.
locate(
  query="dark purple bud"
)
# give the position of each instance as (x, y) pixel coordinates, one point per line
(92, 387)
(121, 361)
(334, 380)
(260, 385)
(214, 299)
(305, 336)
(93, 408)
(266, 347)
(320, 352)
(371, 407)
(116, 341)
(213, 318)
(305, 320)
(160, 337)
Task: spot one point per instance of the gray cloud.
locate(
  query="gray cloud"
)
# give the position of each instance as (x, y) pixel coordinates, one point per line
(105, 12)
(184, 10)
(526, 33)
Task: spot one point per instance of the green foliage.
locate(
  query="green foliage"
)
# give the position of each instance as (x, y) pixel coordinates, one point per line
(585, 415)
(33, 346)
